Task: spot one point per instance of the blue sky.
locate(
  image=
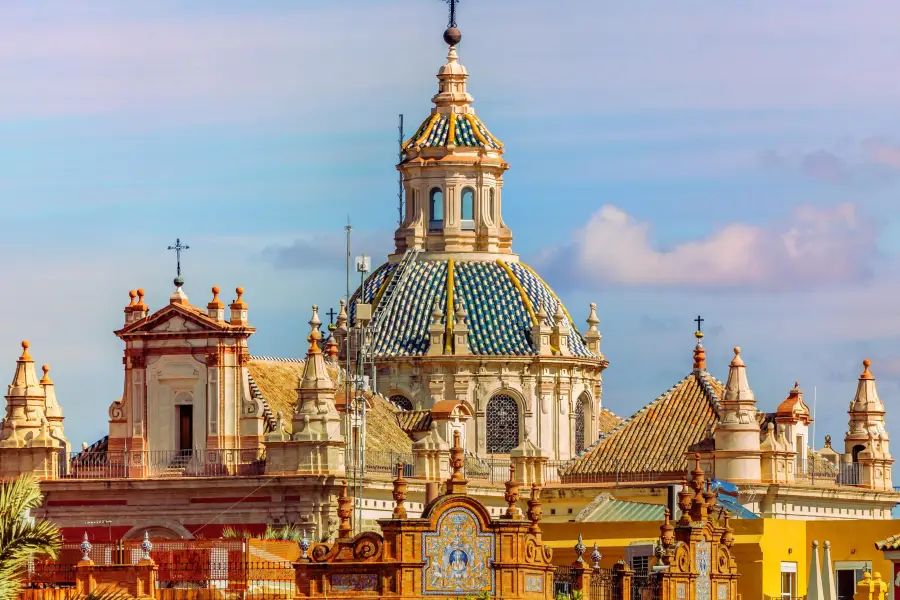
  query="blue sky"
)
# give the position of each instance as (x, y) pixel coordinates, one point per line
(731, 160)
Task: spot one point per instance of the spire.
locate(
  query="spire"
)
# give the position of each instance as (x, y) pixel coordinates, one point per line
(25, 381)
(699, 353)
(814, 587)
(866, 398)
(829, 591)
(737, 388)
(315, 376)
(592, 336)
(452, 96)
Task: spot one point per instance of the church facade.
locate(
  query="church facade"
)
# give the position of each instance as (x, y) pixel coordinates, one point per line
(460, 339)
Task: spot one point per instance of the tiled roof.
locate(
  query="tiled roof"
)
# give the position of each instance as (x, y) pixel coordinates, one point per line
(656, 438)
(891, 543)
(608, 420)
(414, 420)
(500, 300)
(467, 131)
(277, 381)
(605, 508)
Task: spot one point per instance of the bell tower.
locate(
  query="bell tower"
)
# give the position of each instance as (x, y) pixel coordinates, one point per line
(453, 173)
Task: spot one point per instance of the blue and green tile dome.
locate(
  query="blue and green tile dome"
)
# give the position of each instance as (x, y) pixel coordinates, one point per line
(501, 301)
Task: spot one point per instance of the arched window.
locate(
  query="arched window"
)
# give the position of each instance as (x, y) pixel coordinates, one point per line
(856, 450)
(436, 206)
(502, 417)
(579, 423)
(401, 402)
(467, 208)
(491, 207)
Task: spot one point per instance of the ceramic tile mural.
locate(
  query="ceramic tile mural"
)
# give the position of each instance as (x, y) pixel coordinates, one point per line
(703, 582)
(354, 582)
(534, 582)
(458, 556)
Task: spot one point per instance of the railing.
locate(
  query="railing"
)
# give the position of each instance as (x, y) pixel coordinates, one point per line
(645, 585)
(385, 463)
(161, 463)
(604, 586)
(490, 468)
(563, 582)
(618, 477)
(822, 472)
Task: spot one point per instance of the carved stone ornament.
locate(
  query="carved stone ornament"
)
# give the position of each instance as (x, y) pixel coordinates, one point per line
(212, 359)
(116, 410)
(137, 362)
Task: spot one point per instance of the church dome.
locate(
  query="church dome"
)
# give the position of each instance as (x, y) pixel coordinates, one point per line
(502, 301)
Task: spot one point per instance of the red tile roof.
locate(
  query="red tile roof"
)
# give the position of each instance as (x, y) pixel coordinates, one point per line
(657, 437)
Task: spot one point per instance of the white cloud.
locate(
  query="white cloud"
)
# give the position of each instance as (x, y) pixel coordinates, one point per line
(813, 247)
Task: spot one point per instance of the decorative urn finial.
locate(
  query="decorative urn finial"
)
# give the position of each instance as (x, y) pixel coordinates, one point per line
(146, 546)
(579, 550)
(595, 557)
(86, 548)
(400, 493)
(304, 546)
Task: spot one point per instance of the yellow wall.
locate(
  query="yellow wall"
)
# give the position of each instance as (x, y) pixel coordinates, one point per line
(760, 546)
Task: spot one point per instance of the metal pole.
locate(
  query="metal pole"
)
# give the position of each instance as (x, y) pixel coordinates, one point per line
(400, 177)
(348, 414)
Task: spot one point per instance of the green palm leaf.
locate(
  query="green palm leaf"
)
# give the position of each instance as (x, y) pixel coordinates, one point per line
(22, 539)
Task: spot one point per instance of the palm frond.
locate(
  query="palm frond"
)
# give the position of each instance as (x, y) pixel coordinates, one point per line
(104, 594)
(21, 539)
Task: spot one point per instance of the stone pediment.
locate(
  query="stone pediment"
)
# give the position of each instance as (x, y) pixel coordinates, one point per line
(175, 319)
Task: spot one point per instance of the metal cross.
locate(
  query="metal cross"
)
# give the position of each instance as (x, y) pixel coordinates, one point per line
(331, 314)
(452, 4)
(699, 320)
(179, 248)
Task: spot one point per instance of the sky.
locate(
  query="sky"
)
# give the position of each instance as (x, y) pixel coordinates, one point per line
(732, 160)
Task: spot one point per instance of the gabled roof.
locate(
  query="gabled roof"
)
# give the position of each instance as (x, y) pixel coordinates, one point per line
(188, 312)
(276, 380)
(658, 436)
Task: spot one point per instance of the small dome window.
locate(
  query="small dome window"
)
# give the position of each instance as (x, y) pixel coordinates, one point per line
(436, 206)
(492, 214)
(467, 208)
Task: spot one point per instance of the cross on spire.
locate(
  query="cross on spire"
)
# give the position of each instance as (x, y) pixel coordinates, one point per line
(178, 248)
(699, 321)
(331, 315)
(452, 3)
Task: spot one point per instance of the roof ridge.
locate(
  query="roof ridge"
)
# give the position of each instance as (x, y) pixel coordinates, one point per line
(258, 395)
(277, 359)
(622, 424)
(711, 396)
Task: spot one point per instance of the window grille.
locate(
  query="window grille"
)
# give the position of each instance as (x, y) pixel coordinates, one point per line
(401, 402)
(579, 425)
(502, 416)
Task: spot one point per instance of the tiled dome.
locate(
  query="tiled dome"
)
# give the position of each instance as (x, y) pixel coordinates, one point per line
(501, 300)
(462, 130)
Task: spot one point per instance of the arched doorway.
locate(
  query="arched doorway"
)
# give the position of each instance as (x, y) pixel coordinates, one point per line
(502, 424)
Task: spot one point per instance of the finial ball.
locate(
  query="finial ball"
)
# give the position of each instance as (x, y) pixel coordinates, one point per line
(178, 281)
(216, 290)
(45, 369)
(737, 350)
(452, 36)
(26, 344)
(132, 294)
(140, 292)
(867, 363)
(239, 291)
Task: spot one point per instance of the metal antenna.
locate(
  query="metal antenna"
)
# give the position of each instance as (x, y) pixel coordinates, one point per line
(400, 178)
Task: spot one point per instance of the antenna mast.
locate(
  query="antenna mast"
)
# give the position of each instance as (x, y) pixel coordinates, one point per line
(400, 177)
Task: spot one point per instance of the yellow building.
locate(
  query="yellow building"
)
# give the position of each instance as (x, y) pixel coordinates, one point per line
(773, 554)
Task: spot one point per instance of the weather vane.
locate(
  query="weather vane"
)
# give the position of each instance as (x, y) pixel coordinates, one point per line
(452, 35)
(179, 248)
(452, 22)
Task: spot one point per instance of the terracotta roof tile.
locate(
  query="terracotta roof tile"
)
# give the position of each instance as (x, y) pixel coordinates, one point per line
(607, 421)
(891, 543)
(277, 381)
(657, 437)
(414, 420)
